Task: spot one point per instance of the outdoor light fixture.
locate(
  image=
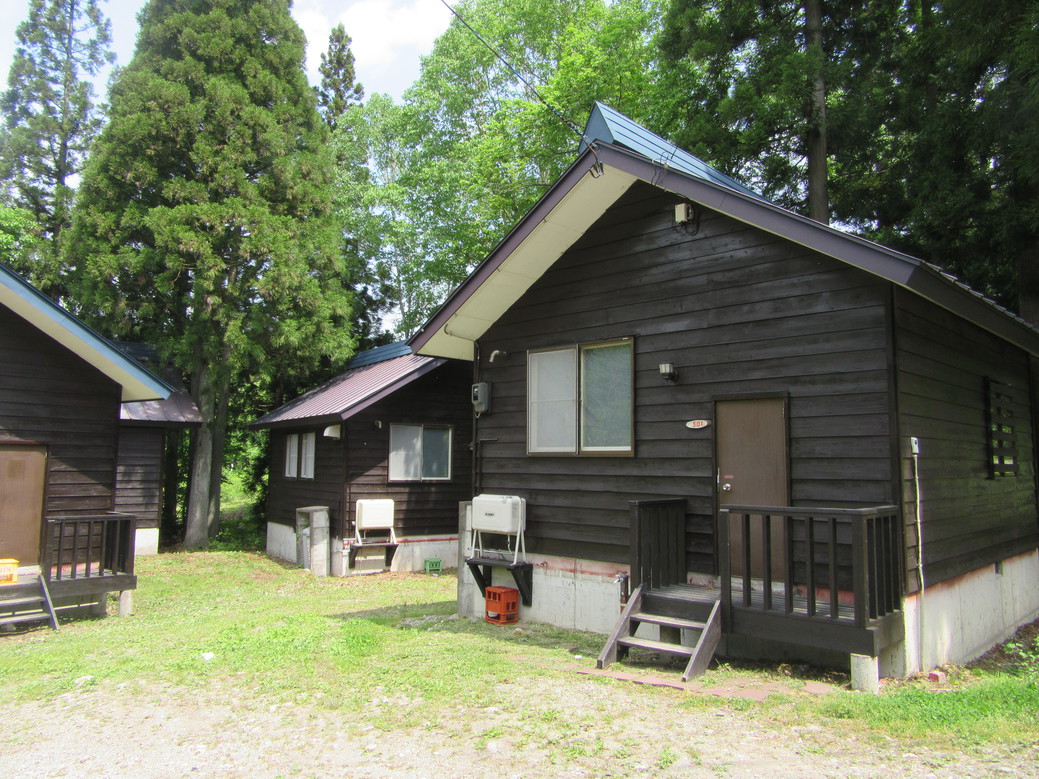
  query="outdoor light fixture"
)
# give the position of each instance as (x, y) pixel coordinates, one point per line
(668, 372)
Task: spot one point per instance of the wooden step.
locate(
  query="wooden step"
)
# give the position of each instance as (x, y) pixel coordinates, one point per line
(27, 616)
(667, 621)
(633, 642)
(28, 608)
(682, 601)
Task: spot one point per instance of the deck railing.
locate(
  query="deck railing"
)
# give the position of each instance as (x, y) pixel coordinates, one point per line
(837, 565)
(89, 546)
(658, 542)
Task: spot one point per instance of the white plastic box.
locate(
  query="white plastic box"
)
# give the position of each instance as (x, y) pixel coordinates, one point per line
(499, 514)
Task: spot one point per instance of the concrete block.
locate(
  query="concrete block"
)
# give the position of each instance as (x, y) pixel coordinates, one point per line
(126, 603)
(865, 674)
(146, 541)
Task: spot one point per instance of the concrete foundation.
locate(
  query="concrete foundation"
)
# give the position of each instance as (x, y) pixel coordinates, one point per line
(146, 541)
(570, 593)
(411, 554)
(959, 620)
(865, 673)
(281, 542)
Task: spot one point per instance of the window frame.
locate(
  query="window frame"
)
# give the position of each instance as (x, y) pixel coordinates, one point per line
(291, 470)
(307, 455)
(422, 427)
(579, 448)
(1001, 425)
(300, 455)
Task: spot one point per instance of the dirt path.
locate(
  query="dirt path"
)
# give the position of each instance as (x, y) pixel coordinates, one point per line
(572, 725)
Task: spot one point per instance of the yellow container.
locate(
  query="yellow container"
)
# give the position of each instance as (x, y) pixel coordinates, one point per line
(8, 571)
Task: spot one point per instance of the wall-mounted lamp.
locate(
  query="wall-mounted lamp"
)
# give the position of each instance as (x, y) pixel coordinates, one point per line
(333, 431)
(378, 424)
(498, 355)
(668, 372)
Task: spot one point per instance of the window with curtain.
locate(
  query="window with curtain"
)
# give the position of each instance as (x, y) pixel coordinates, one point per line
(419, 452)
(580, 399)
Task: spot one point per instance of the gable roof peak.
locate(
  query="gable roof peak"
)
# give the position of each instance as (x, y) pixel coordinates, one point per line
(607, 125)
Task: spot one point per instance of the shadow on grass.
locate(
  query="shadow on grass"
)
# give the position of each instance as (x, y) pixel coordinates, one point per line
(441, 617)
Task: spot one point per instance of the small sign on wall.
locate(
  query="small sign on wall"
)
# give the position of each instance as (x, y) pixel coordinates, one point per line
(698, 424)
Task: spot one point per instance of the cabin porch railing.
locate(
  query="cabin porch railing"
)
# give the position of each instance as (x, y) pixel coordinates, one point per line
(834, 565)
(88, 547)
(657, 542)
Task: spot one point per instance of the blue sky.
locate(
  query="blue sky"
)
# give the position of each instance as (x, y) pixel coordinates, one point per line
(389, 36)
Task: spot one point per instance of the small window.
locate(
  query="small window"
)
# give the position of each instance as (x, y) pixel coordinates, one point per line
(299, 455)
(306, 461)
(1002, 435)
(420, 452)
(292, 455)
(580, 399)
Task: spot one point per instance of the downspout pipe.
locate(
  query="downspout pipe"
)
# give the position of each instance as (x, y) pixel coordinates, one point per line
(914, 446)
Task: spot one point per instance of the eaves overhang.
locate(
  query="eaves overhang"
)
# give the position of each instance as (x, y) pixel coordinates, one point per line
(579, 198)
(137, 382)
(572, 205)
(277, 420)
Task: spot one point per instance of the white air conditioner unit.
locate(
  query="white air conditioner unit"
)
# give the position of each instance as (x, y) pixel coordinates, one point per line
(501, 514)
(374, 514)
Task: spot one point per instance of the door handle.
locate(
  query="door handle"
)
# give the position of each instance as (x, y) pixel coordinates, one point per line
(726, 487)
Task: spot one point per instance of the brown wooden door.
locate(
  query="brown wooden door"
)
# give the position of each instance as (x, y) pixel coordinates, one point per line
(23, 472)
(752, 454)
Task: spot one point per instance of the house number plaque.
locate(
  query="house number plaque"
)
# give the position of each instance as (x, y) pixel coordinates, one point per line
(698, 424)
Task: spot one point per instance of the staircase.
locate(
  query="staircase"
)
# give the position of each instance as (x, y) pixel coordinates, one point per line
(688, 624)
(29, 602)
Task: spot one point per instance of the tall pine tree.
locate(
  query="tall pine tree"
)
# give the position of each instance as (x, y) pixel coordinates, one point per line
(204, 222)
(51, 119)
(339, 89)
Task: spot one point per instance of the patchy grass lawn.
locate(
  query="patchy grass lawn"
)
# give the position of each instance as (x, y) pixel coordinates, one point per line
(391, 646)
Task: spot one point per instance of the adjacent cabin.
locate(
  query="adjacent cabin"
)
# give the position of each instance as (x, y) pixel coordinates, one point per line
(824, 443)
(60, 393)
(394, 426)
(146, 478)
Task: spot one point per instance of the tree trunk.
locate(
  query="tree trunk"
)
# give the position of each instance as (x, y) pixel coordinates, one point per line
(170, 531)
(209, 385)
(818, 198)
(216, 474)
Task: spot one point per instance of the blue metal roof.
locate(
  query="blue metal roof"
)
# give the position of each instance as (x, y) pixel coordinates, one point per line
(610, 126)
(379, 354)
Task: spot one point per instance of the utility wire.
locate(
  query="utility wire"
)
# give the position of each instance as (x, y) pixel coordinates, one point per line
(517, 74)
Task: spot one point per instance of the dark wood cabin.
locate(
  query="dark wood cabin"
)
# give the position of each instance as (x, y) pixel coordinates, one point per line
(392, 426)
(145, 483)
(702, 388)
(60, 392)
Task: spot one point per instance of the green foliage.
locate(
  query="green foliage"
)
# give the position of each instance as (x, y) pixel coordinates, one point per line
(17, 235)
(204, 223)
(993, 709)
(1025, 653)
(50, 120)
(472, 148)
(930, 120)
(338, 90)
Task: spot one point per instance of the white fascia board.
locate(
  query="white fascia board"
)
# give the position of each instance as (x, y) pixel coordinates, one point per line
(545, 244)
(136, 382)
(452, 347)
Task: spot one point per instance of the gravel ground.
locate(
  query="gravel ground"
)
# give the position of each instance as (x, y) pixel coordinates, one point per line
(572, 725)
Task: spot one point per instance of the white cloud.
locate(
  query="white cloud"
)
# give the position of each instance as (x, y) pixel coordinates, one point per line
(380, 29)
